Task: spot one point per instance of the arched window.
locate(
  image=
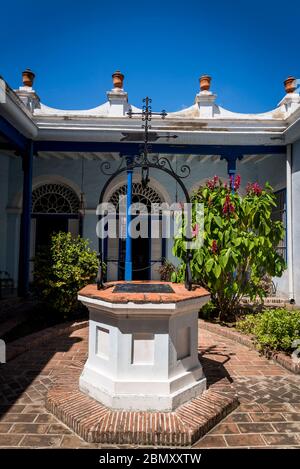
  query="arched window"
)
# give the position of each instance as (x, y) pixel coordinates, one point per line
(140, 195)
(54, 199)
(147, 251)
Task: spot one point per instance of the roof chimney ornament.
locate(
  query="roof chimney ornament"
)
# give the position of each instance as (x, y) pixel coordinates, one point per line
(290, 84)
(205, 81)
(118, 79)
(205, 99)
(28, 77)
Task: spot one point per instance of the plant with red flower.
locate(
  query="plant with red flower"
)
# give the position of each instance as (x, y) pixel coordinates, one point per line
(253, 189)
(211, 183)
(237, 182)
(239, 243)
(228, 207)
(195, 230)
(214, 247)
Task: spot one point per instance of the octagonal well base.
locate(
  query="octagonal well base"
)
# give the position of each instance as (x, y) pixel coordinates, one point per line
(143, 347)
(90, 383)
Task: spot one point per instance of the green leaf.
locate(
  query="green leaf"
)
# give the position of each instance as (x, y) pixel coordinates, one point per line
(218, 221)
(217, 270)
(173, 277)
(209, 264)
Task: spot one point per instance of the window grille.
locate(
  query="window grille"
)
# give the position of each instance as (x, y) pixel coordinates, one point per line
(54, 198)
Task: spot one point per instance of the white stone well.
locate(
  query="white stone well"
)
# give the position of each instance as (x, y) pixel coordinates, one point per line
(143, 345)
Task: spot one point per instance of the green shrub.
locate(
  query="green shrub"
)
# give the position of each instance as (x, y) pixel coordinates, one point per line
(208, 311)
(239, 243)
(63, 269)
(274, 329)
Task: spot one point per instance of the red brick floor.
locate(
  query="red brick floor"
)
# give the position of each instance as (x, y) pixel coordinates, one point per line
(269, 414)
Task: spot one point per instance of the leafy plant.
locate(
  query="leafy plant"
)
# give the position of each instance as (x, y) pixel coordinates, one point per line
(63, 269)
(239, 242)
(208, 311)
(166, 270)
(274, 329)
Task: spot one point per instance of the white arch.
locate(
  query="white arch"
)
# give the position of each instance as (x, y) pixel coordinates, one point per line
(47, 179)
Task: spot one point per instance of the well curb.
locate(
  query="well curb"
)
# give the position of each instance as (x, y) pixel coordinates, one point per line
(96, 423)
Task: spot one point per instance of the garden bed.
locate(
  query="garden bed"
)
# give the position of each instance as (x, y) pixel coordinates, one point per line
(231, 333)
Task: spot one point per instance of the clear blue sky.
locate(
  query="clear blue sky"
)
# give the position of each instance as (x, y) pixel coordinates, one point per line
(162, 47)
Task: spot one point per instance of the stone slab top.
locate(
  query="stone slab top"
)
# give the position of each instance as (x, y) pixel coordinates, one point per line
(180, 293)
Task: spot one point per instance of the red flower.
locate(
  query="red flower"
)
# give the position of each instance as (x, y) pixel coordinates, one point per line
(195, 230)
(253, 189)
(228, 207)
(211, 184)
(237, 182)
(214, 247)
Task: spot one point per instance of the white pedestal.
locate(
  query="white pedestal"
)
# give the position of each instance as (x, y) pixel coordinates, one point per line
(143, 356)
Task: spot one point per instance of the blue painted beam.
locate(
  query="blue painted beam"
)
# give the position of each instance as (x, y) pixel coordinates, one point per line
(14, 137)
(135, 148)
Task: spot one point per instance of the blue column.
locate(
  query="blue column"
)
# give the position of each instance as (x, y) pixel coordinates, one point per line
(128, 244)
(231, 167)
(23, 281)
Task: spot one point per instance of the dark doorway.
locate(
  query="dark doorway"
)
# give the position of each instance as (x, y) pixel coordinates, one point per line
(141, 268)
(46, 225)
(141, 259)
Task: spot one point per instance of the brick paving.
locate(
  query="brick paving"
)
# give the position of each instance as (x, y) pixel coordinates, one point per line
(268, 415)
(269, 396)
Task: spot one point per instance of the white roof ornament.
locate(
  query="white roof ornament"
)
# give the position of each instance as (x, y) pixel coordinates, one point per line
(205, 99)
(291, 100)
(205, 109)
(117, 97)
(26, 93)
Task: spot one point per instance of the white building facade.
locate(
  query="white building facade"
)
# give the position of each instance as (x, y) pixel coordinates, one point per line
(51, 159)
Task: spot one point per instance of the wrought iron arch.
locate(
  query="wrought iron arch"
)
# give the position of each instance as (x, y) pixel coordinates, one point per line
(154, 162)
(144, 161)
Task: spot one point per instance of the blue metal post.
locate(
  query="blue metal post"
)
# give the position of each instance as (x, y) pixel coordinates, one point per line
(231, 170)
(231, 167)
(128, 243)
(24, 254)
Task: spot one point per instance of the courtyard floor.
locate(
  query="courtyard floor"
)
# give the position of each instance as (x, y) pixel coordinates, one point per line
(268, 415)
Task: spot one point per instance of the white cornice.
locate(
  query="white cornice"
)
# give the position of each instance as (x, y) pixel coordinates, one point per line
(17, 114)
(103, 124)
